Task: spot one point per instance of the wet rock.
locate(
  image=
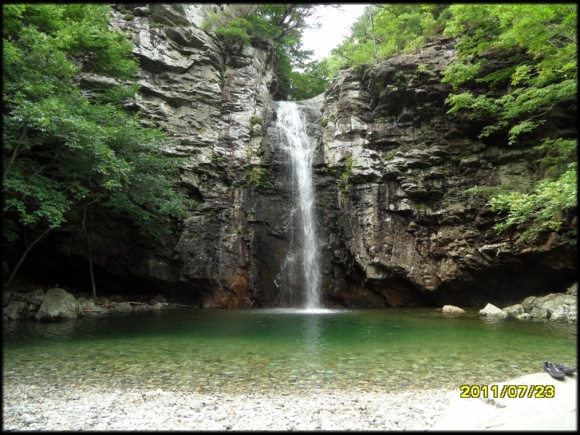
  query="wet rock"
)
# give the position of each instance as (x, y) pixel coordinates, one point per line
(34, 297)
(514, 310)
(564, 313)
(58, 305)
(560, 307)
(451, 309)
(88, 306)
(529, 303)
(14, 310)
(491, 310)
(539, 313)
(123, 307)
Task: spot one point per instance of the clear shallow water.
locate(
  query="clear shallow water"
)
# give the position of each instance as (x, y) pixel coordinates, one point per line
(257, 350)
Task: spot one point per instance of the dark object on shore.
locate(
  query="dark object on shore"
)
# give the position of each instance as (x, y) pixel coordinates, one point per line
(567, 370)
(553, 371)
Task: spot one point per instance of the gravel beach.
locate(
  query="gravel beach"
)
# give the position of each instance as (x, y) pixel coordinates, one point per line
(76, 408)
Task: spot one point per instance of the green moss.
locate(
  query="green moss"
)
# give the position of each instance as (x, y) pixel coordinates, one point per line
(256, 120)
(399, 78)
(422, 69)
(259, 177)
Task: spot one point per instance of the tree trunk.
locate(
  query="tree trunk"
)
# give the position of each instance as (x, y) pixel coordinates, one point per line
(372, 21)
(90, 250)
(28, 249)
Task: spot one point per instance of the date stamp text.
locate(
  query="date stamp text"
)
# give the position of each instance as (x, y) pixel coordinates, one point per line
(509, 391)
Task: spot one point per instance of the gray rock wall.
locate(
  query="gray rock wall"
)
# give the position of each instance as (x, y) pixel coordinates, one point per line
(405, 230)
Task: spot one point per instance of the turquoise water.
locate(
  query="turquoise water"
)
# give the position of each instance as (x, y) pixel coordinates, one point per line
(257, 350)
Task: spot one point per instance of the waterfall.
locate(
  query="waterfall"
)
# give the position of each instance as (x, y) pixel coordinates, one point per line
(295, 144)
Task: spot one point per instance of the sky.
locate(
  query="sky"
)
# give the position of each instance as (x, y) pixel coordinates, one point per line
(335, 26)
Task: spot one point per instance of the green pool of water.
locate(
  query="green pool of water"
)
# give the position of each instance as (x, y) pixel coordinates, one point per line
(258, 350)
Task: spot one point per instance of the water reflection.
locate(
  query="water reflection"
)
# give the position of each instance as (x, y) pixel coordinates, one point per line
(64, 330)
(311, 340)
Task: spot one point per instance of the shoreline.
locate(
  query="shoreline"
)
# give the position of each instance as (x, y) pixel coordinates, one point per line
(80, 408)
(100, 407)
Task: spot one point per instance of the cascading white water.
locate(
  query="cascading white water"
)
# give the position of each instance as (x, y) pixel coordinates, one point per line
(295, 143)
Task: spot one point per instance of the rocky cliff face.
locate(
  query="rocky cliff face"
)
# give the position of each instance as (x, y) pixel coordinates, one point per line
(405, 230)
(396, 223)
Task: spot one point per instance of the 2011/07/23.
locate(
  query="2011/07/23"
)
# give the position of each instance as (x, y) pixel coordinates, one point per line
(510, 391)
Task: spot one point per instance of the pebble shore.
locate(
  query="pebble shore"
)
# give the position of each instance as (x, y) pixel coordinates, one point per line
(87, 408)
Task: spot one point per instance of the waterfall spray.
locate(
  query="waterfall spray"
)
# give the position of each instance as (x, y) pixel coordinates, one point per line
(300, 154)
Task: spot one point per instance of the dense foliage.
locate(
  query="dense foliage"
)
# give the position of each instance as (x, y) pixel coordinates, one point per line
(70, 151)
(540, 42)
(386, 29)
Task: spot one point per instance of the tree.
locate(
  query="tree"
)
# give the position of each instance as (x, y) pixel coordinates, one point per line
(309, 82)
(519, 98)
(386, 29)
(280, 23)
(71, 151)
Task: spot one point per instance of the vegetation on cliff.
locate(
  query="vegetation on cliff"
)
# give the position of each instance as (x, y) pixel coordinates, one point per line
(516, 99)
(386, 29)
(282, 24)
(520, 99)
(71, 151)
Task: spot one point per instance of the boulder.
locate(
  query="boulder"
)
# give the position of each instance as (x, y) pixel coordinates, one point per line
(565, 313)
(492, 311)
(539, 313)
(35, 297)
(14, 310)
(58, 305)
(555, 306)
(514, 310)
(451, 309)
(529, 303)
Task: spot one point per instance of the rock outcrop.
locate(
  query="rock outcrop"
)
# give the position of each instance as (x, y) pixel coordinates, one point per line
(556, 307)
(397, 224)
(405, 229)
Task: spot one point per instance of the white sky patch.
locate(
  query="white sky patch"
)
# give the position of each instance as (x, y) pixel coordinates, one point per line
(335, 26)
